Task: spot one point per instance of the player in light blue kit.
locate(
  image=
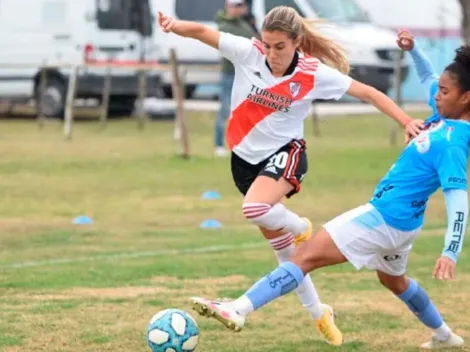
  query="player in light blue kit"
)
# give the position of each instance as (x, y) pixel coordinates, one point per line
(379, 235)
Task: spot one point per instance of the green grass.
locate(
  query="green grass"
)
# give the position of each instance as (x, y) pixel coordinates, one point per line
(94, 288)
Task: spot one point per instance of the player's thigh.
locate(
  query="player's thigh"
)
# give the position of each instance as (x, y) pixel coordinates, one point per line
(392, 259)
(281, 175)
(267, 190)
(392, 262)
(318, 251)
(243, 173)
(358, 234)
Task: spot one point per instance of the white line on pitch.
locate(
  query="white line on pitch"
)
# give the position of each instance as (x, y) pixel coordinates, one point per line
(119, 256)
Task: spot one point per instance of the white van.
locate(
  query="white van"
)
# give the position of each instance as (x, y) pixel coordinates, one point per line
(371, 48)
(60, 32)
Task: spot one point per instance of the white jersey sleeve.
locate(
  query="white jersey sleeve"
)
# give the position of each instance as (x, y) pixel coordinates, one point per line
(234, 48)
(330, 83)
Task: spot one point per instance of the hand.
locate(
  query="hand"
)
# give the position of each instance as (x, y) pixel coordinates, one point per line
(166, 23)
(412, 129)
(405, 40)
(444, 269)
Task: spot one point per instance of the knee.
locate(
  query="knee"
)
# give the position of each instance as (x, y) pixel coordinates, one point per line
(270, 217)
(396, 284)
(256, 213)
(306, 259)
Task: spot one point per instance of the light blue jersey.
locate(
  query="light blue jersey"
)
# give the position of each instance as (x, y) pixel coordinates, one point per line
(436, 158)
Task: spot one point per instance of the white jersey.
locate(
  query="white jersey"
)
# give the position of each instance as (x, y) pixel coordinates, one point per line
(268, 112)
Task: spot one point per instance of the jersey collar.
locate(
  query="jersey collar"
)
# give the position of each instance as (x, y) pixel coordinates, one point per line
(292, 66)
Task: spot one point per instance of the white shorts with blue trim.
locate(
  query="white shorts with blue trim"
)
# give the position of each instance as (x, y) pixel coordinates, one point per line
(367, 241)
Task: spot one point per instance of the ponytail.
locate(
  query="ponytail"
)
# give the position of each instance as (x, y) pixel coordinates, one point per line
(316, 44)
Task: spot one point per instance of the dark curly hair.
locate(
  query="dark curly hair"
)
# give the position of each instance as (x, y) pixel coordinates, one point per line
(460, 67)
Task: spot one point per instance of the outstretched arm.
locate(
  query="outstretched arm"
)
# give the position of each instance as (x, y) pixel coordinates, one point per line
(426, 72)
(424, 67)
(386, 105)
(332, 84)
(233, 47)
(188, 29)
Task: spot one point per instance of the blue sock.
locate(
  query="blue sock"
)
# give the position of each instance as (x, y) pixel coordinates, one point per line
(282, 280)
(419, 303)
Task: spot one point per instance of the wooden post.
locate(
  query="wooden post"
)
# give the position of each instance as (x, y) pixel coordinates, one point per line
(178, 94)
(69, 103)
(9, 109)
(316, 122)
(142, 115)
(398, 96)
(42, 89)
(105, 99)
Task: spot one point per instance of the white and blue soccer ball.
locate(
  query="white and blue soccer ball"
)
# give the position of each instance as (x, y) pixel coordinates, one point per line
(172, 330)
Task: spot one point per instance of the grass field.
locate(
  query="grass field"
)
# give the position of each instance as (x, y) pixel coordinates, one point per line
(94, 288)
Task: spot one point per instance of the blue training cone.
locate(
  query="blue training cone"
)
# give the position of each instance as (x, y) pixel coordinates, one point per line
(212, 195)
(82, 220)
(210, 224)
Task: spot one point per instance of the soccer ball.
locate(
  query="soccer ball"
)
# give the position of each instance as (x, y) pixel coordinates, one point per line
(172, 330)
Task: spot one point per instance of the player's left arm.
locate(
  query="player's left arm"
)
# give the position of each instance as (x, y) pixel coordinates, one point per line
(332, 84)
(386, 105)
(452, 169)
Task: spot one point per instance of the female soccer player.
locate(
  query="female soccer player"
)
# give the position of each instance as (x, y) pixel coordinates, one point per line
(276, 79)
(379, 235)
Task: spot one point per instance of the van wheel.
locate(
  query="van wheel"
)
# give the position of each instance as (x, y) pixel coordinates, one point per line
(121, 105)
(189, 93)
(53, 102)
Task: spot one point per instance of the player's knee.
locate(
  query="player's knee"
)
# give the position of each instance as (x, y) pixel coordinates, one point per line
(306, 259)
(396, 284)
(262, 214)
(254, 212)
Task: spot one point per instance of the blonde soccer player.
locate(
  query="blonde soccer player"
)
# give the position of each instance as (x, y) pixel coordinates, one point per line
(276, 80)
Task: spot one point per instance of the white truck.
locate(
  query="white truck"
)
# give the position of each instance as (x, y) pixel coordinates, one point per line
(34, 33)
(371, 48)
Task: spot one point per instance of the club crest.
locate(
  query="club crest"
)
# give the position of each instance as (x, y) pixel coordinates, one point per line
(294, 88)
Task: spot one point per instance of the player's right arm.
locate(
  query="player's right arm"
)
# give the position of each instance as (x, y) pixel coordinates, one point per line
(188, 29)
(232, 47)
(451, 166)
(424, 67)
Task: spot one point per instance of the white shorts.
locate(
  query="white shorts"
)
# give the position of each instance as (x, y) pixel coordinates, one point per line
(366, 241)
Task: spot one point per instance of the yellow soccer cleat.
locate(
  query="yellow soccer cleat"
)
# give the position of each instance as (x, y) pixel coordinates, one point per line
(304, 236)
(327, 328)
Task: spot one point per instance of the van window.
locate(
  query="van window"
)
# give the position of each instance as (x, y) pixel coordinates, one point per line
(198, 10)
(339, 10)
(270, 4)
(134, 15)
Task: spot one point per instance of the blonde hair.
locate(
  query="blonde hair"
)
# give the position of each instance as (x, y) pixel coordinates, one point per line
(286, 19)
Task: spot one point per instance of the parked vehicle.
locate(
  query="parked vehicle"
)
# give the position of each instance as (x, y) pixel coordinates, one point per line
(34, 33)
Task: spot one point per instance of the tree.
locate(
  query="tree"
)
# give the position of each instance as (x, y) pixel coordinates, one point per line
(465, 4)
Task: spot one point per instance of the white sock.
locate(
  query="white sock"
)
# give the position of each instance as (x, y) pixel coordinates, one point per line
(274, 218)
(243, 305)
(283, 248)
(443, 332)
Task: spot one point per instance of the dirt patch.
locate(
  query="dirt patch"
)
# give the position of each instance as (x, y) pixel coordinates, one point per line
(207, 281)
